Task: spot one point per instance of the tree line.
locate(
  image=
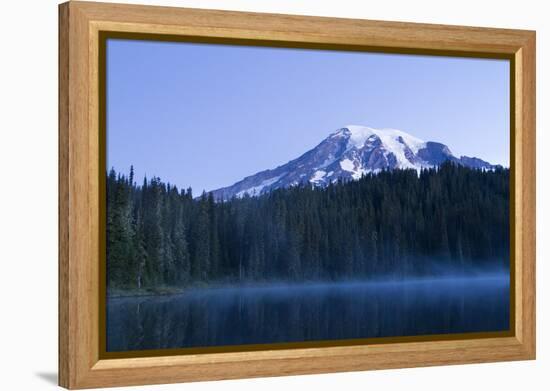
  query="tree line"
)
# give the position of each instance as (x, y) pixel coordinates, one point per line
(393, 223)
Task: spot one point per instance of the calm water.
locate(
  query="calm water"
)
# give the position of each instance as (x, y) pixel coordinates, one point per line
(230, 316)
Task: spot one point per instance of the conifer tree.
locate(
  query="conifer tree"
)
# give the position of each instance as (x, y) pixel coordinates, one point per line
(396, 223)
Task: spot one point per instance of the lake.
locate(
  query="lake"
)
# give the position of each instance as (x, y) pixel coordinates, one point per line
(309, 312)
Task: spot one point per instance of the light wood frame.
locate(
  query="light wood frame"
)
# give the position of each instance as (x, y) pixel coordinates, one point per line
(80, 24)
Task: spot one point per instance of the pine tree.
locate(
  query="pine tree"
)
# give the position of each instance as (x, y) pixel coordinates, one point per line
(394, 222)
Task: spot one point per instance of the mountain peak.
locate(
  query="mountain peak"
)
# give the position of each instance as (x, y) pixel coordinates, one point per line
(347, 154)
(359, 134)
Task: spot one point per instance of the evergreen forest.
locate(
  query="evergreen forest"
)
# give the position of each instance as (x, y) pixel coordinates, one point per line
(393, 224)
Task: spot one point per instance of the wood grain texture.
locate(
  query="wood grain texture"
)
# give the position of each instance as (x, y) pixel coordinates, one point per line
(526, 122)
(64, 353)
(80, 365)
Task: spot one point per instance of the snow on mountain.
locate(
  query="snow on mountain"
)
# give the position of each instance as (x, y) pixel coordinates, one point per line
(347, 154)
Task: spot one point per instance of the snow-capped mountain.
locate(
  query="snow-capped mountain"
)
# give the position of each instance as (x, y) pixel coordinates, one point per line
(349, 153)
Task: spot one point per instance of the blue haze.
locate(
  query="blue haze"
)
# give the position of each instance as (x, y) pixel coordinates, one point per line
(308, 312)
(208, 115)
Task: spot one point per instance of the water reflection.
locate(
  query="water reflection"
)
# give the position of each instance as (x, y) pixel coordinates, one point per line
(235, 316)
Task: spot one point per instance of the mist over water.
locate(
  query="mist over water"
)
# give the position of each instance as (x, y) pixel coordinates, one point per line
(287, 312)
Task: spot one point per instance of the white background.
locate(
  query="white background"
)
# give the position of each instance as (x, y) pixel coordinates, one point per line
(28, 194)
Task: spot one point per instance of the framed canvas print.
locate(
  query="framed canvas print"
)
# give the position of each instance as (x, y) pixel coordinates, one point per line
(248, 195)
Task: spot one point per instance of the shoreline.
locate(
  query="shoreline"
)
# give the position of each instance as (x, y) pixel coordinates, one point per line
(174, 291)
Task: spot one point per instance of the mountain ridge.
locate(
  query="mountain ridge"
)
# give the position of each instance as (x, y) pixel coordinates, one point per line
(347, 154)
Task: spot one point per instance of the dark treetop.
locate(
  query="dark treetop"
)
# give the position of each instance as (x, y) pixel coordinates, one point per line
(395, 223)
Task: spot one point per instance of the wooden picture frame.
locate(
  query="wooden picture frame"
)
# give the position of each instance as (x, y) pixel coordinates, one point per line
(81, 364)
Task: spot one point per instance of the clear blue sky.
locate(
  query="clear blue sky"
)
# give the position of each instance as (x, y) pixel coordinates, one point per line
(208, 115)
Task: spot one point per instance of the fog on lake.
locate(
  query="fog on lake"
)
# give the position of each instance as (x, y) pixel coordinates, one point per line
(308, 312)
